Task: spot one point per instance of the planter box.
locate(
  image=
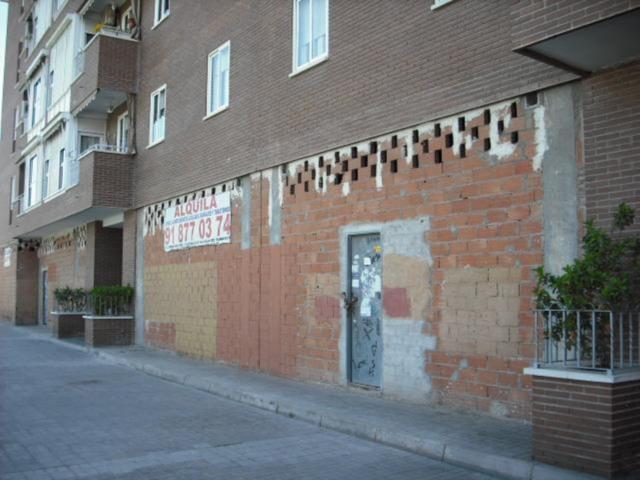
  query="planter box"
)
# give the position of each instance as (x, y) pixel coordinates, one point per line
(102, 331)
(67, 325)
(587, 421)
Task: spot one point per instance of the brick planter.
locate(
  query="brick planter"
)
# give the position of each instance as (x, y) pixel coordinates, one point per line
(67, 325)
(104, 331)
(587, 421)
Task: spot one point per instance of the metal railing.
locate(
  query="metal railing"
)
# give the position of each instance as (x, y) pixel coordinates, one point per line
(104, 147)
(88, 304)
(598, 340)
(18, 205)
(78, 64)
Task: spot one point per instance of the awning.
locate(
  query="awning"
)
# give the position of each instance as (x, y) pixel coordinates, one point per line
(584, 50)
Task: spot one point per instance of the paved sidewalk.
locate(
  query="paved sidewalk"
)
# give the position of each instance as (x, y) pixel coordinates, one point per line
(499, 447)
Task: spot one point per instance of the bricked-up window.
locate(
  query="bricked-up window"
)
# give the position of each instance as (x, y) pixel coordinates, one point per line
(61, 155)
(157, 114)
(218, 79)
(161, 11)
(45, 179)
(310, 32)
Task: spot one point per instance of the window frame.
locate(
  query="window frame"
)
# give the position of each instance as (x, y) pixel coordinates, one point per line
(126, 15)
(119, 122)
(31, 179)
(210, 113)
(35, 101)
(159, 15)
(61, 168)
(156, 92)
(46, 166)
(296, 69)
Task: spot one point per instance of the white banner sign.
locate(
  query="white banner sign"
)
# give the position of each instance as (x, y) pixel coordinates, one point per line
(203, 221)
(8, 251)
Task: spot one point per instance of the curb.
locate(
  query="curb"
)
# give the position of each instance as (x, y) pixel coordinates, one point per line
(452, 454)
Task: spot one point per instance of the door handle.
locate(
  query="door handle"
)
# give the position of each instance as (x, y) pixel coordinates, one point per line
(349, 302)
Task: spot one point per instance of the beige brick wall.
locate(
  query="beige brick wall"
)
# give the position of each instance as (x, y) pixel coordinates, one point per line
(184, 295)
(481, 312)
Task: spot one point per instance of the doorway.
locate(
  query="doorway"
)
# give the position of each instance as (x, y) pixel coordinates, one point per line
(363, 302)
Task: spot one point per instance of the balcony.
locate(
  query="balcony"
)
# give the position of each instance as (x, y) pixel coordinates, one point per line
(99, 185)
(571, 36)
(106, 72)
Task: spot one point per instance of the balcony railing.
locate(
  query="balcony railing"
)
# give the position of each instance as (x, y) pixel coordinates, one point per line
(79, 301)
(18, 205)
(597, 340)
(104, 147)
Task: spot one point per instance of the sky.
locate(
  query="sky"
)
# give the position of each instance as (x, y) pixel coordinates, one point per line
(4, 7)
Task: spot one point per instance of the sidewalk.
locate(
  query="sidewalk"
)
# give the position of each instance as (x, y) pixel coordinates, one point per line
(500, 447)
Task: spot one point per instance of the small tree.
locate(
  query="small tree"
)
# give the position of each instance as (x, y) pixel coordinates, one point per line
(607, 277)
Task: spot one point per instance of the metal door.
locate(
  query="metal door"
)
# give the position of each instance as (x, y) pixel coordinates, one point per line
(45, 296)
(364, 309)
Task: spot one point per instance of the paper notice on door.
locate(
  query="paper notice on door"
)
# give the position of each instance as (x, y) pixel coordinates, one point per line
(367, 260)
(355, 283)
(355, 268)
(377, 284)
(365, 308)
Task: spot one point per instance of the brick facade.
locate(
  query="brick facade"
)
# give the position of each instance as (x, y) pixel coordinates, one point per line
(587, 426)
(463, 293)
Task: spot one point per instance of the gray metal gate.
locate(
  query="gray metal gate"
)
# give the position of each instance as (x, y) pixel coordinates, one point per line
(364, 309)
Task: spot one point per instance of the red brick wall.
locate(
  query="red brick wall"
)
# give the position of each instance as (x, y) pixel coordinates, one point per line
(8, 284)
(278, 306)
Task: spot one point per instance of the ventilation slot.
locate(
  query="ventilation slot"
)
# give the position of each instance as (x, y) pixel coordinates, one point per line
(461, 124)
(448, 140)
(364, 161)
(415, 161)
(437, 131)
(437, 156)
(415, 136)
(354, 175)
(394, 166)
(487, 117)
(487, 144)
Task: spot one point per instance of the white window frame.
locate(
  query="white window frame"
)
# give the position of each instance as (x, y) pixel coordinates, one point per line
(46, 169)
(35, 102)
(217, 51)
(159, 13)
(61, 168)
(155, 141)
(312, 61)
(31, 179)
(124, 19)
(84, 133)
(119, 140)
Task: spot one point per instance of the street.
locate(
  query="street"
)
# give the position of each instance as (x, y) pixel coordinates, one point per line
(65, 414)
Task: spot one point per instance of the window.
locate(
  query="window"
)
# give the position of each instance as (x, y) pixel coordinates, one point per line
(311, 32)
(50, 89)
(122, 133)
(218, 80)
(61, 169)
(31, 183)
(88, 141)
(35, 100)
(45, 179)
(157, 115)
(162, 11)
(14, 189)
(124, 20)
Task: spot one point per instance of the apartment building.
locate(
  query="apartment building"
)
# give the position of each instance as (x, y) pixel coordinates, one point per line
(339, 191)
